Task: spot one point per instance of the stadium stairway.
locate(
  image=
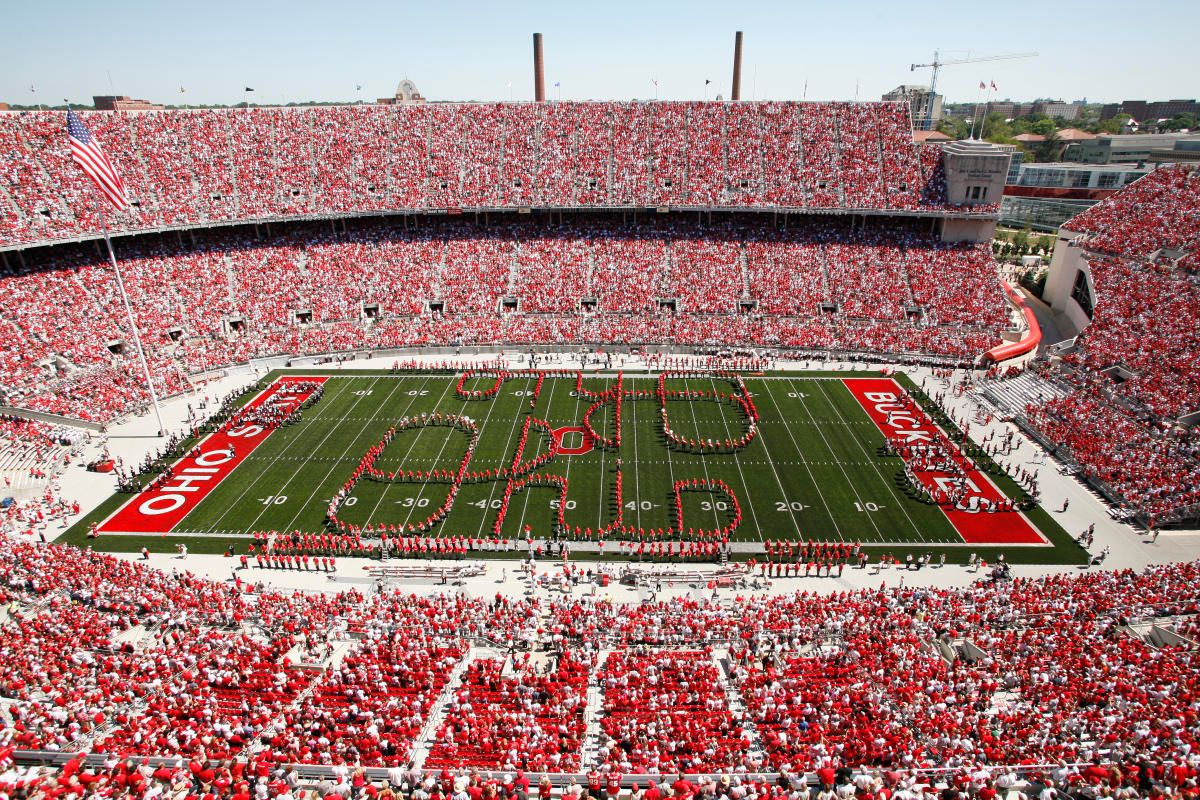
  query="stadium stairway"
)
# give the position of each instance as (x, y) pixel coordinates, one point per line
(10, 203)
(737, 706)
(514, 273)
(279, 722)
(591, 713)
(1013, 395)
(744, 271)
(423, 741)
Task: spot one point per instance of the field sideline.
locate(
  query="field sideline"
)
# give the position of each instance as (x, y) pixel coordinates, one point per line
(815, 470)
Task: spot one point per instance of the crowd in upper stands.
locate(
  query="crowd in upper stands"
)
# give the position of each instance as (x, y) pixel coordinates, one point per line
(1136, 368)
(1158, 211)
(192, 167)
(1142, 323)
(226, 297)
(111, 656)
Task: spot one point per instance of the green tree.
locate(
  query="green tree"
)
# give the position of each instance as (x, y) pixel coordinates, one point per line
(1051, 149)
(1021, 240)
(1180, 122)
(996, 129)
(1113, 125)
(1088, 117)
(954, 127)
(1044, 127)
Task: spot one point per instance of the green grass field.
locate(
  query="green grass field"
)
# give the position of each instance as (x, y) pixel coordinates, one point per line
(815, 471)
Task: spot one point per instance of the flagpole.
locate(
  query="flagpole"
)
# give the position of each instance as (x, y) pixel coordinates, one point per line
(137, 339)
(986, 105)
(975, 116)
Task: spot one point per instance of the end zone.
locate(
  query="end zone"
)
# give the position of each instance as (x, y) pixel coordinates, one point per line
(193, 477)
(879, 397)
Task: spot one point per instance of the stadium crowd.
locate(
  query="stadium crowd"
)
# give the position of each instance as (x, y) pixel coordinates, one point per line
(228, 297)
(197, 166)
(110, 656)
(1136, 369)
(1160, 211)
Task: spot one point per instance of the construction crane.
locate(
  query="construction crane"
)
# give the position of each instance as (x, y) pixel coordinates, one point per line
(937, 64)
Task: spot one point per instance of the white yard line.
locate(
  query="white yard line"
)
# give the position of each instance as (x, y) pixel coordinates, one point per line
(821, 430)
(637, 467)
(250, 485)
(408, 456)
(703, 462)
(507, 454)
(580, 408)
(671, 470)
(889, 486)
(345, 450)
(526, 492)
(807, 467)
(737, 460)
(774, 465)
(200, 445)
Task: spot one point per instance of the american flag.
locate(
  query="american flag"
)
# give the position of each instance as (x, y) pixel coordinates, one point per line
(87, 153)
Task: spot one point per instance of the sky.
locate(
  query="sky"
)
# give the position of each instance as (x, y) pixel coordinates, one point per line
(467, 50)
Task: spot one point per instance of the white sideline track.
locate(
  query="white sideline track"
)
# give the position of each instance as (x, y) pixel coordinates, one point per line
(134, 438)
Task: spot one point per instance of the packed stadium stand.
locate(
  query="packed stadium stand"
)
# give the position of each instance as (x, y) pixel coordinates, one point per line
(221, 297)
(1134, 373)
(196, 167)
(138, 681)
(934, 685)
(209, 295)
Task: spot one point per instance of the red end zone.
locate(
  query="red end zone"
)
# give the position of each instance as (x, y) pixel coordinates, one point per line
(878, 397)
(193, 477)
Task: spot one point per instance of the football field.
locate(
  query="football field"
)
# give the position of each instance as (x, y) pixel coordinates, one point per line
(597, 456)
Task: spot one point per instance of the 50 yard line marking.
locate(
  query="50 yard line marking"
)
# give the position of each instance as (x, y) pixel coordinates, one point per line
(527, 491)
(505, 452)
